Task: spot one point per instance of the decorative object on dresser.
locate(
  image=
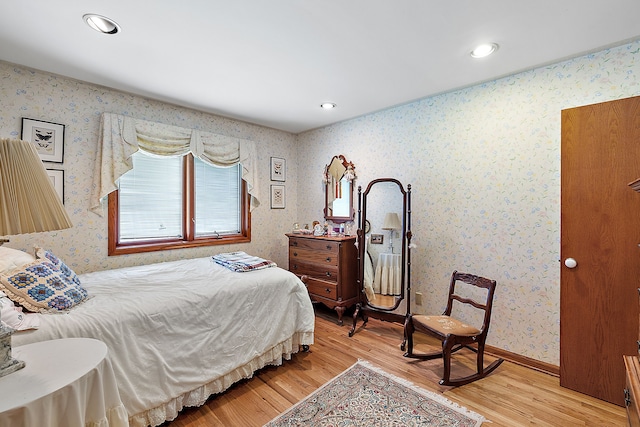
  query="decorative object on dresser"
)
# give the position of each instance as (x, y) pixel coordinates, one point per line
(384, 195)
(328, 267)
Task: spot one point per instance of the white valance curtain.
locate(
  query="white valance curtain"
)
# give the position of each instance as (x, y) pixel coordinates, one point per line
(121, 136)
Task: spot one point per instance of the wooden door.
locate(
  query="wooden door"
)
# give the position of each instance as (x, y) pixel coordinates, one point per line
(600, 229)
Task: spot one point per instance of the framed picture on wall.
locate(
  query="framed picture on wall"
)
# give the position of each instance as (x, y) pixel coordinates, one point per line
(278, 169)
(47, 137)
(57, 179)
(377, 239)
(277, 197)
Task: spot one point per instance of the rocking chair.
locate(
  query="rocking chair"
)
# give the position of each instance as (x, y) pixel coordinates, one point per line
(454, 333)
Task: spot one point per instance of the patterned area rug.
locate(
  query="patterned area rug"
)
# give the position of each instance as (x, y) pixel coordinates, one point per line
(365, 395)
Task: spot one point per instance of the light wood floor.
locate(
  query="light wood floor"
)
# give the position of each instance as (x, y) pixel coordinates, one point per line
(512, 396)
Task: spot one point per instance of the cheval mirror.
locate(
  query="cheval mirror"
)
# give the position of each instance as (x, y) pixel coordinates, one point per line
(338, 177)
(384, 252)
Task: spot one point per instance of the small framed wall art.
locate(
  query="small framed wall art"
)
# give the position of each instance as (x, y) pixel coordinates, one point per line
(377, 239)
(57, 179)
(277, 197)
(47, 137)
(278, 169)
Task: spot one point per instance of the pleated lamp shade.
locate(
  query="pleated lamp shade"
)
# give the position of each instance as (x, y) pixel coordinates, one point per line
(391, 222)
(28, 200)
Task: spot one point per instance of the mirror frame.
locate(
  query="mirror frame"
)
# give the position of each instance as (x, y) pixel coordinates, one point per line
(339, 219)
(365, 307)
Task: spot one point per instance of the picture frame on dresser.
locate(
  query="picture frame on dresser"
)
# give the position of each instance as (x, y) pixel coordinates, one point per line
(48, 137)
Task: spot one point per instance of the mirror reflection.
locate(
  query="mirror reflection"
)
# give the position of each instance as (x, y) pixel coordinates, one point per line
(338, 177)
(383, 258)
(384, 251)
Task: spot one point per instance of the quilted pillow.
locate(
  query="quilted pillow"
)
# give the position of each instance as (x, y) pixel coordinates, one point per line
(43, 286)
(13, 258)
(46, 254)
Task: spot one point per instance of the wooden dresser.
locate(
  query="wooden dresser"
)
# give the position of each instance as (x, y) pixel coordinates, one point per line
(632, 386)
(632, 390)
(329, 268)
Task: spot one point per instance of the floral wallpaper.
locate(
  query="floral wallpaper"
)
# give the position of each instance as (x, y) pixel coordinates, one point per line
(77, 105)
(484, 166)
(483, 163)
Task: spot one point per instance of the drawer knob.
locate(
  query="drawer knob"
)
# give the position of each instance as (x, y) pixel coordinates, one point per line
(328, 274)
(327, 290)
(328, 259)
(295, 266)
(329, 247)
(627, 397)
(294, 243)
(295, 254)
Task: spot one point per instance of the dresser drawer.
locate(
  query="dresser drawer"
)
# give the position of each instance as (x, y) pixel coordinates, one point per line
(322, 288)
(315, 245)
(314, 256)
(327, 272)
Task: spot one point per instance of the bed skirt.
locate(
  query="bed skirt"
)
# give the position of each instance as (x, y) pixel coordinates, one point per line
(197, 397)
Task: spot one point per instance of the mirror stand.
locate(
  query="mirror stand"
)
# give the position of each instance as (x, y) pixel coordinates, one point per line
(392, 279)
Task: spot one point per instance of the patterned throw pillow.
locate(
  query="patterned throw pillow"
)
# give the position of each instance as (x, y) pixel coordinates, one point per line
(46, 254)
(44, 285)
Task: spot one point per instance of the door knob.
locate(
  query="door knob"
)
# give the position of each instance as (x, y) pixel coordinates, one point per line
(570, 263)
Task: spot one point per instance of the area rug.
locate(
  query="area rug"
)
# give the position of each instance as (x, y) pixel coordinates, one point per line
(365, 395)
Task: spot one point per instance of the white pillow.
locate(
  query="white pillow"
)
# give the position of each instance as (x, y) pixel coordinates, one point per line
(10, 259)
(13, 317)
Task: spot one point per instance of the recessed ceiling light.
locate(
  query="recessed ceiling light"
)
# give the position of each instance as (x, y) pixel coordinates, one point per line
(101, 24)
(483, 50)
(328, 105)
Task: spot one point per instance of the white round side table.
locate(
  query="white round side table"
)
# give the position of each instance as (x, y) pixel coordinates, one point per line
(66, 382)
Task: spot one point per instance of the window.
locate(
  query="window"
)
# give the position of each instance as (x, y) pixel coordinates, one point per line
(177, 202)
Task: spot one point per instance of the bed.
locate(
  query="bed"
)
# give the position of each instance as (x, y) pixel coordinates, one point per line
(180, 331)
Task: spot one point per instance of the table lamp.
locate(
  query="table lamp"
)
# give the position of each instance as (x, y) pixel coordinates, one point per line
(28, 204)
(391, 223)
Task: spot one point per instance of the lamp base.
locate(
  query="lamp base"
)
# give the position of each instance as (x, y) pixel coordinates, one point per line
(7, 363)
(12, 365)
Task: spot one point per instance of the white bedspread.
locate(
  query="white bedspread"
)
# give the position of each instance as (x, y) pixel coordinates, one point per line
(180, 331)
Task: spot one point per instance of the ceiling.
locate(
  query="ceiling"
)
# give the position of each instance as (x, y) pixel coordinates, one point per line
(274, 62)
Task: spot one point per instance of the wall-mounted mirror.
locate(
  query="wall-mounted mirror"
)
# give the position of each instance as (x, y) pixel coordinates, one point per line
(339, 175)
(384, 238)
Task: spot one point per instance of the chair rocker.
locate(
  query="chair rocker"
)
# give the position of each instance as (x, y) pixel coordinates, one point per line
(454, 333)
